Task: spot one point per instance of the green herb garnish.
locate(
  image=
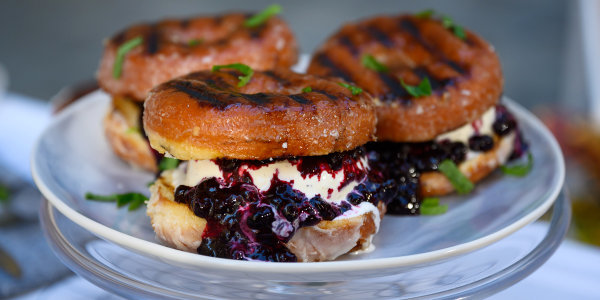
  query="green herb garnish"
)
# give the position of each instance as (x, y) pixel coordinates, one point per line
(458, 30)
(4, 193)
(135, 200)
(431, 206)
(261, 17)
(354, 89)
(307, 89)
(425, 14)
(458, 180)
(447, 22)
(246, 70)
(167, 163)
(195, 42)
(123, 49)
(132, 130)
(371, 63)
(519, 170)
(421, 90)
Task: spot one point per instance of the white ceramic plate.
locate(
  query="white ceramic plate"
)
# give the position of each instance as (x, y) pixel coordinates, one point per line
(72, 158)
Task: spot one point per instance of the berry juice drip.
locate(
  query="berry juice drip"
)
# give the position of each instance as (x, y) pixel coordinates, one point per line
(246, 223)
(404, 162)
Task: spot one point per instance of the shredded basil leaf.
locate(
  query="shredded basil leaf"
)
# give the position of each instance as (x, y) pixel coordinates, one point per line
(246, 70)
(421, 90)
(261, 17)
(122, 51)
(425, 14)
(519, 170)
(136, 203)
(167, 163)
(354, 89)
(109, 198)
(371, 63)
(307, 89)
(135, 200)
(4, 193)
(458, 30)
(447, 22)
(195, 42)
(431, 206)
(132, 130)
(458, 180)
(430, 201)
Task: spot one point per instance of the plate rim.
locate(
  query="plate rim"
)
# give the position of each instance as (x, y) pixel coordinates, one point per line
(179, 257)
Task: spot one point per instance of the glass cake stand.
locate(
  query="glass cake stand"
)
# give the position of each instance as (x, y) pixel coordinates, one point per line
(473, 275)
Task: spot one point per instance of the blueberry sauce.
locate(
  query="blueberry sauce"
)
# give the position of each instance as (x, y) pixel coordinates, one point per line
(405, 162)
(244, 222)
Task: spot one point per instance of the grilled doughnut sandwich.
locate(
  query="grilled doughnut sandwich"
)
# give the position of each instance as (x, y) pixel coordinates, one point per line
(273, 165)
(145, 55)
(437, 88)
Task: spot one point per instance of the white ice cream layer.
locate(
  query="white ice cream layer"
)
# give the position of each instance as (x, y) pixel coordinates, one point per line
(324, 184)
(481, 126)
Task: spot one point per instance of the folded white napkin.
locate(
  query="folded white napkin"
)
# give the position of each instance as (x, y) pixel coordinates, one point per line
(22, 120)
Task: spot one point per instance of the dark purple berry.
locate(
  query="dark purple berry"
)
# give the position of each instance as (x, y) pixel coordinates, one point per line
(262, 218)
(481, 143)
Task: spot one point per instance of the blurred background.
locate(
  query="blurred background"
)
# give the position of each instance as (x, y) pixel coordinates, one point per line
(547, 49)
(47, 45)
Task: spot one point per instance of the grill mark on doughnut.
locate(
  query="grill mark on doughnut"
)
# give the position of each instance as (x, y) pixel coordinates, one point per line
(413, 30)
(396, 90)
(276, 77)
(218, 19)
(326, 94)
(198, 94)
(300, 99)
(152, 40)
(455, 66)
(347, 43)
(119, 38)
(217, 82)
(258, 98)
(333, 69)
(380, 36)
(254, 33)
(185, 23)
(436, 84)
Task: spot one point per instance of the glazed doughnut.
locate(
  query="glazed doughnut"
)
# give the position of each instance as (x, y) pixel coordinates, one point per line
(167, 50)
(204, 115)
(465, 75)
